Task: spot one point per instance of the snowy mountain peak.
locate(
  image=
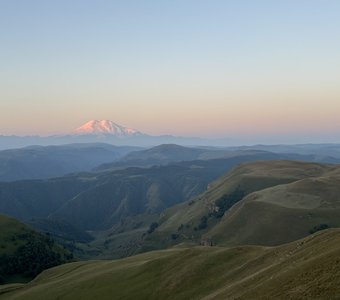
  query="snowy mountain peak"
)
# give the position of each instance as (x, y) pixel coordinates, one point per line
(106, 127)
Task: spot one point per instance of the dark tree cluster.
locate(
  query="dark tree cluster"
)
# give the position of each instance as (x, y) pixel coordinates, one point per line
(227, 201)
(152, 227)
(203, 223)
(174, 236)
(36, 255)
(318, 228)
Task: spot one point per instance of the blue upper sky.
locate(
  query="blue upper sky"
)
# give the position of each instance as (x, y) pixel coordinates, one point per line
(184, 67)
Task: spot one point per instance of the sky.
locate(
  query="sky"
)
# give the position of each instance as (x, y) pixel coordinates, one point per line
(183, 67)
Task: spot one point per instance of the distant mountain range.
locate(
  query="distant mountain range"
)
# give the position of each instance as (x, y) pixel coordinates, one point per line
(170, 153)
(41, 162)
(38, 162)
(105, 131)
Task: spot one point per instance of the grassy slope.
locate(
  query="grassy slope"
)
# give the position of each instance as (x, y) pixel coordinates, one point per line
(290, 199)
(252, 177)
(305, 269)
(282, 213)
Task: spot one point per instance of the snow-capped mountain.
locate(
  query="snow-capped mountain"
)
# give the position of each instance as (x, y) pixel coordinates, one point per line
(106, 127)
(104, 131)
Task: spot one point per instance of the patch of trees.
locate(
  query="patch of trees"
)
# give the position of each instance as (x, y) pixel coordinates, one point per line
(34, 256)
(174, 236)
(227, 201)
(202, 224)
(152, 227)
(183, 227)
(318, 228)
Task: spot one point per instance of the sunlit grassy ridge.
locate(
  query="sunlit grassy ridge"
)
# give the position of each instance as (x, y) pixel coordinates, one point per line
(280, 201)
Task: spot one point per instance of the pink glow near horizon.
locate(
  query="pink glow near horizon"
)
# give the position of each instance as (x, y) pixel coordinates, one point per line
(222, 116)
(191, 68)
(218, 125)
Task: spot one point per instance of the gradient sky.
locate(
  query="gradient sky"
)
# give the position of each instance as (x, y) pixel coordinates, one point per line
(200, 68)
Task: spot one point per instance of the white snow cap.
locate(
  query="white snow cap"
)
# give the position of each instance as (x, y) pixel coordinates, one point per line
(106, 127)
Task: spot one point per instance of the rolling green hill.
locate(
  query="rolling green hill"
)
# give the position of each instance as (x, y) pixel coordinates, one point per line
(24, 253)
(304, 269)
(259, 203)
(283, 213)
